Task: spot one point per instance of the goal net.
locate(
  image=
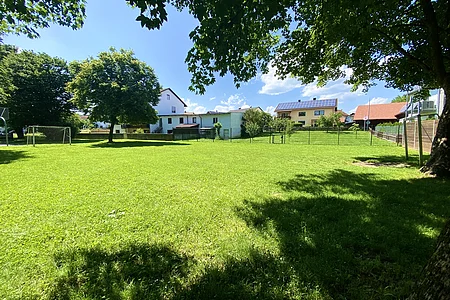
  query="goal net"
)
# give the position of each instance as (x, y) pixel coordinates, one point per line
(48, 134)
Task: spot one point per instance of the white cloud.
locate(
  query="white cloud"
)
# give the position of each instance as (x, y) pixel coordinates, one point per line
(270, 110)
(233, 102)
(275, 86)
(221, 108)
(194, 107)
(212, 98)
(378, 100)
(333, 89)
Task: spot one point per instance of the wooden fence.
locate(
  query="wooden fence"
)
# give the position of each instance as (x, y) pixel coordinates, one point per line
(412, 133)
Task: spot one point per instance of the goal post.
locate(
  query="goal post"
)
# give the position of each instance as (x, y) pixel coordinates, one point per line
(37, 134)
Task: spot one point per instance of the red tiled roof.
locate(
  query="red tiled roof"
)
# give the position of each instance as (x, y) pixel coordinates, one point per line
(378, 111)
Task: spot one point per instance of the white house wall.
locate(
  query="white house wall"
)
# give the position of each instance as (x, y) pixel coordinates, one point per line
(166, 101)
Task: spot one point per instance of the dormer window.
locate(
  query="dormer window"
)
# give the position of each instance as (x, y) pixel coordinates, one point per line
(168, 97)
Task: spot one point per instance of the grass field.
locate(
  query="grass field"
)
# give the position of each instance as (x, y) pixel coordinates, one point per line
(224, 220)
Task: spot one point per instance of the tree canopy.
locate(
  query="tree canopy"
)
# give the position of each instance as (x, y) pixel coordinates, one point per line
(404, 43)
(36, 93)
(116, 88)
(26, 16)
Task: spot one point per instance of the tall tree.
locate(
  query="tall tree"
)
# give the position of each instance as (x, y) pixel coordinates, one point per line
(38, 95)
(406, 43)
(26, 16)
(256, 116)
(117, 88)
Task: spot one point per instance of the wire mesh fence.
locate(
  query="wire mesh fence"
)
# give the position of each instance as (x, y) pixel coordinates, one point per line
(307, 136)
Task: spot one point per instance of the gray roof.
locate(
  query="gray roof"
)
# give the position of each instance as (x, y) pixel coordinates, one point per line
(306, 104)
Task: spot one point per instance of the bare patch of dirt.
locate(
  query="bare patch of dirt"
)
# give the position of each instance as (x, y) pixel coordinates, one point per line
(371, 164)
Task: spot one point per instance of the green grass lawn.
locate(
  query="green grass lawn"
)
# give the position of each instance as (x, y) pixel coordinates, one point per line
(224, 220)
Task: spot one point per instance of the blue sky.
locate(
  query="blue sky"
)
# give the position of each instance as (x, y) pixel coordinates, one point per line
(165, 50)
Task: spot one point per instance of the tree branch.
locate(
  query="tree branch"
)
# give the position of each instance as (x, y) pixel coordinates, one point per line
(404, 52)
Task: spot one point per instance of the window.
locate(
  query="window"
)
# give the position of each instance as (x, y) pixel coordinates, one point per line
(168, 97)
(174, 109)
(181, 120)
(169, 131)
(319, 112)
(302, 113)
(302, 122)
(117, 130)
(215, 120)
(169, 121)
(194, 119)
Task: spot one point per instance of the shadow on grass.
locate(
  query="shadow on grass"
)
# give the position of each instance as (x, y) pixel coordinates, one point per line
(85, 141)
(341, 235)
(131, 144)
(8, 156)
(354, 236)
(413, 159)
(135, 272)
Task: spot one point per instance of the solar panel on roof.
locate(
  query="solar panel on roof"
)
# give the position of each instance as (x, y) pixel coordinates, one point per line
(307, 104)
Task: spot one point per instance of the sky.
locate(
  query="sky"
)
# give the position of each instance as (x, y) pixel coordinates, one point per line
(165, 50)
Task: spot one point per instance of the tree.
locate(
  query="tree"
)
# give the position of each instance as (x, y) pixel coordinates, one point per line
(24, 17)
(218, 126)
(405, 43)
(116, 88)
(5, 80)
(256, 116)
(252, 128)
(324, 121)
(37, 95)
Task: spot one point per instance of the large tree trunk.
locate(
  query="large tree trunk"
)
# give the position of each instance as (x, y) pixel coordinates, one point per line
(19, 132)
(111, 131)
(434, 283)
(439, 162)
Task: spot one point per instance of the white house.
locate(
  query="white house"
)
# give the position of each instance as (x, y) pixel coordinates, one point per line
(173, 108)
(172, 114)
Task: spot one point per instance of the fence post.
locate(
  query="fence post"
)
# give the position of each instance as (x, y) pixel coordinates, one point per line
(405, 138)
(309, 135)
(419, 131)
(398, 133)
(371, 136)
(339, 132)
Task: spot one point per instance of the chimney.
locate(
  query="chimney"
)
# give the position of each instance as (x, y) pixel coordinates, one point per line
(314, 98)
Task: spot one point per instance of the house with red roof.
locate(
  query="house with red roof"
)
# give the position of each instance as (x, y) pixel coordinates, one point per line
(377, 113)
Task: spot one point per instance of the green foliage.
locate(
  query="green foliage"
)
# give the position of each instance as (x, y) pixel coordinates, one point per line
(257, 221)
(74, 122)
(400, 98)
(139, 130)
(290, 128)
(116, 88)
(279, 124)
(218, 126)
(354, 127)
(26, 16)
(38, 95)
(330, 121)
(252, 128)
(256, 116)
(317, 40)
(324, 121)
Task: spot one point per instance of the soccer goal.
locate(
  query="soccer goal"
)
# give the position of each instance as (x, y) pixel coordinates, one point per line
(48, 134)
